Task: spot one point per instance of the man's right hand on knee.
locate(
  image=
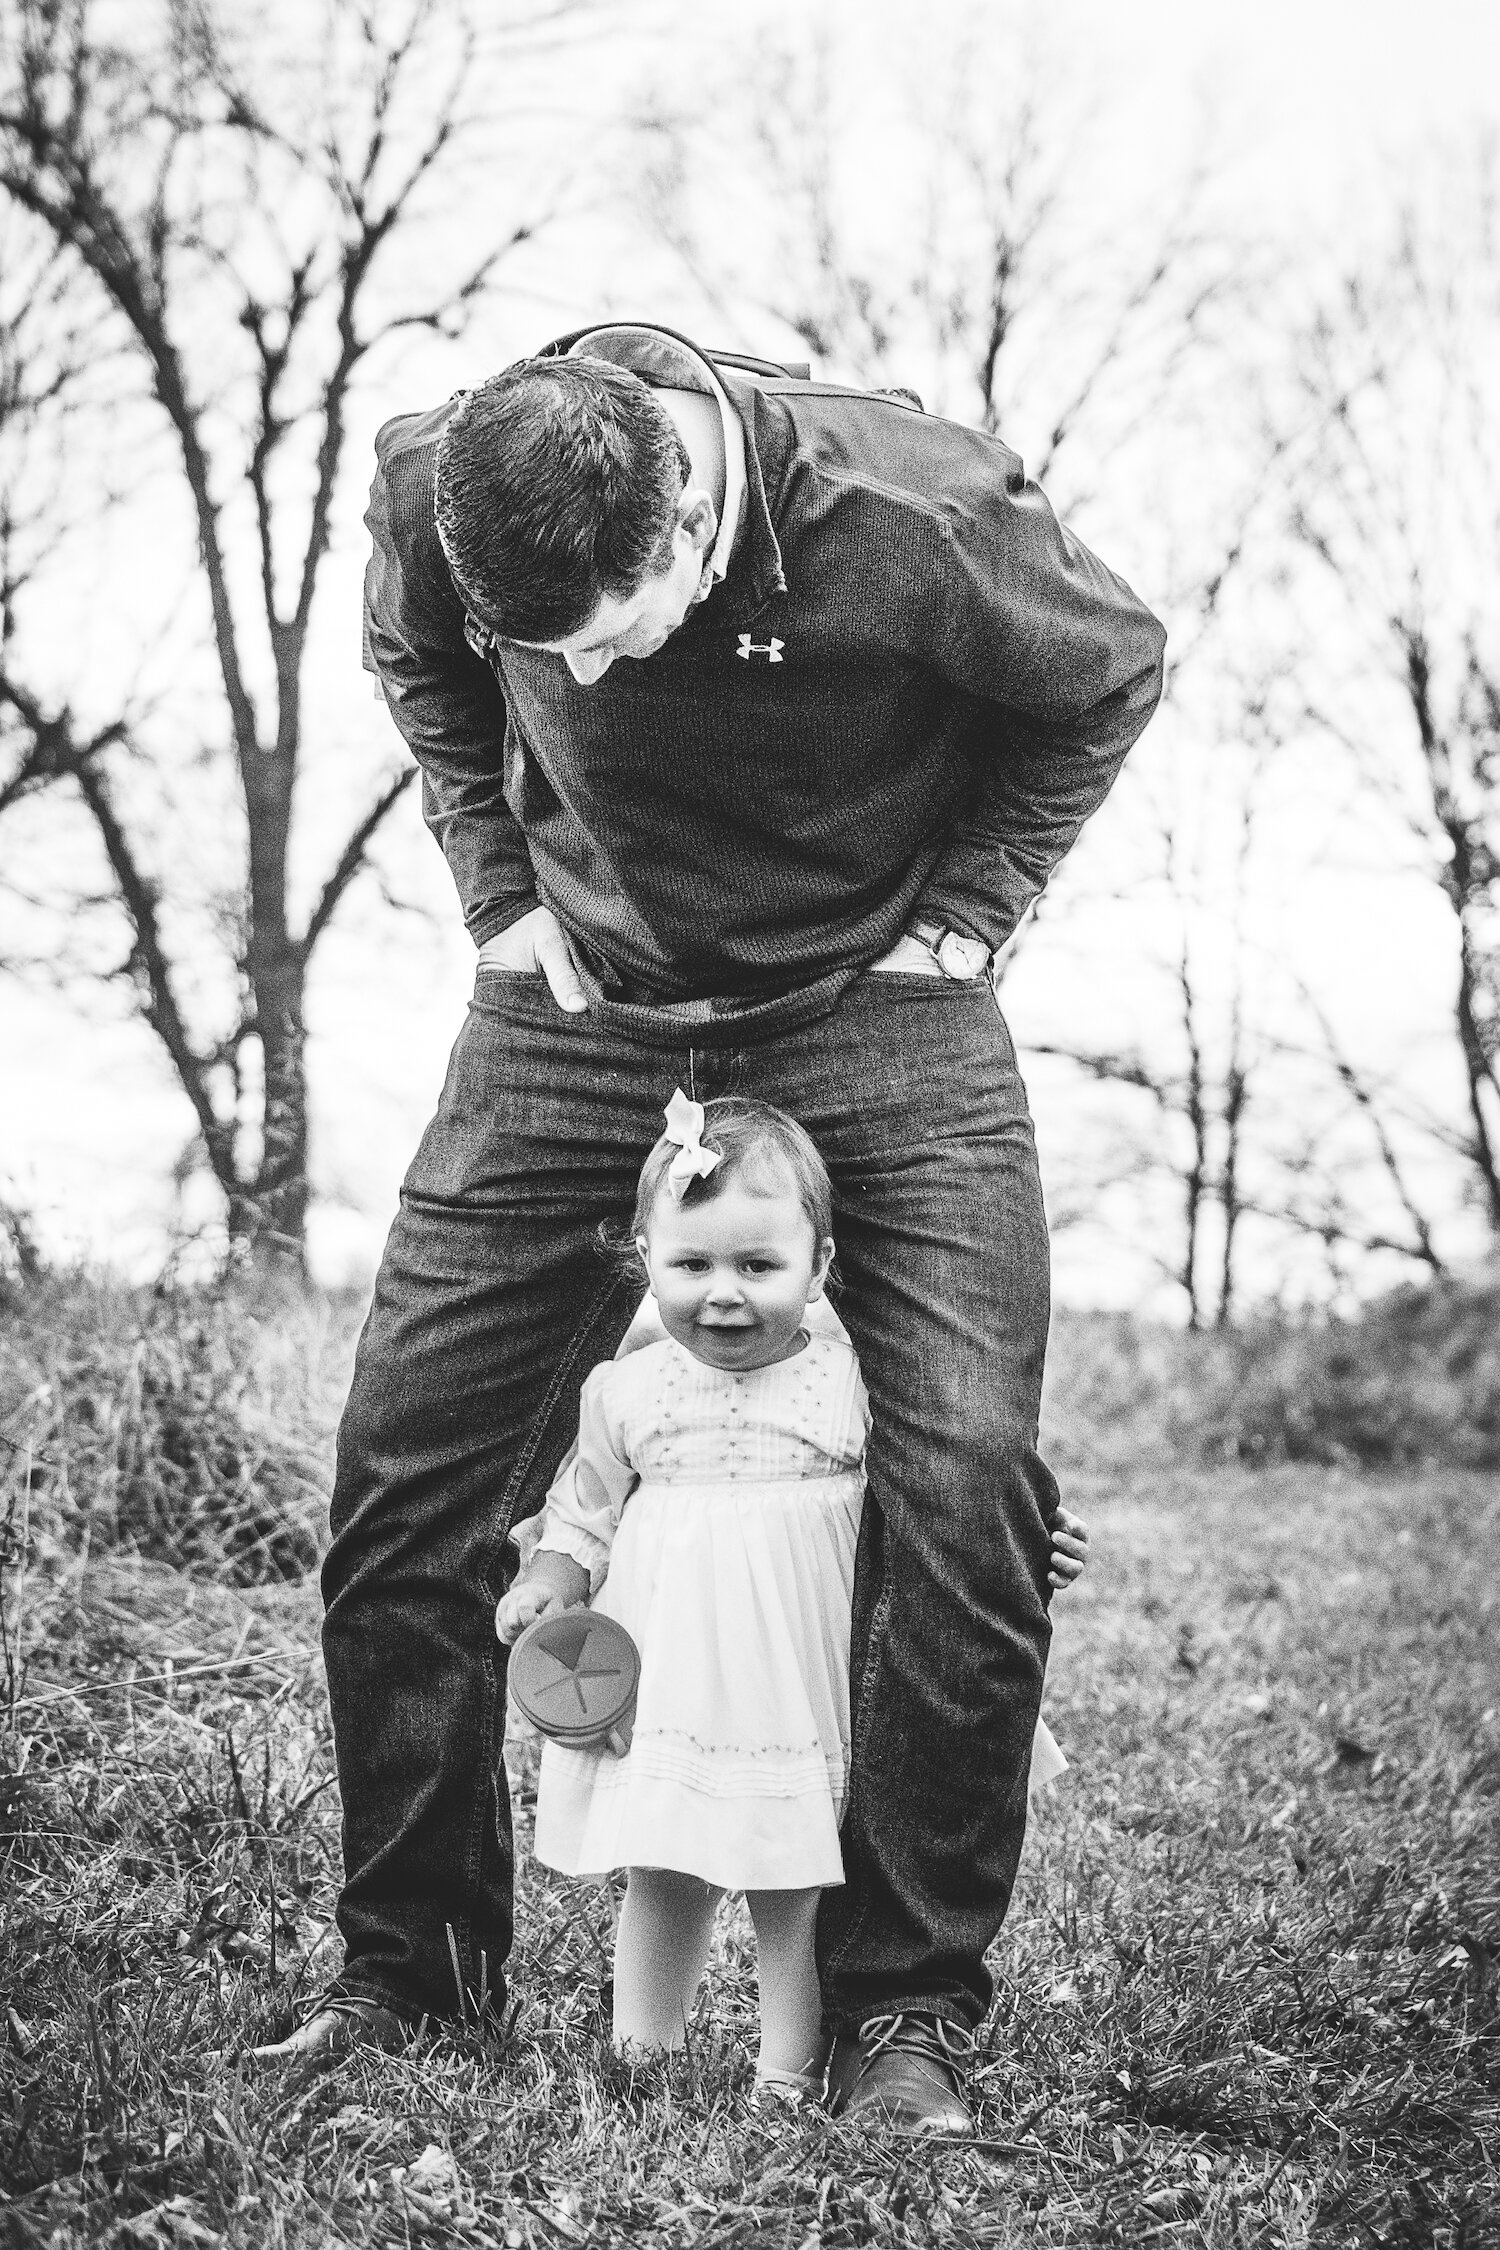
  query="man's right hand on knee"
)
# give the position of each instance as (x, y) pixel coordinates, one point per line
(551, 1581)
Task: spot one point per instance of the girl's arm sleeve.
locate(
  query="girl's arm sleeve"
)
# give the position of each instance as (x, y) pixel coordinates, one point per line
(587, 1496)
(854, 1404)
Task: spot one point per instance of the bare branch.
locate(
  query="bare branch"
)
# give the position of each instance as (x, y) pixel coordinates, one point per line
(52, 175)
(353, 857)
(61, 755)
(1396, 508)
(231, 239)
(1361, 1094)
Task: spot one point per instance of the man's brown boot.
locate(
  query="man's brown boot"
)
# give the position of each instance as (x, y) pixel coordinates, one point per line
(905, 2072)
(336, 2026)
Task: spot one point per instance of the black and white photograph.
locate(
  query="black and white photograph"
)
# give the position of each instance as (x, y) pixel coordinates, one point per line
(749, 1125)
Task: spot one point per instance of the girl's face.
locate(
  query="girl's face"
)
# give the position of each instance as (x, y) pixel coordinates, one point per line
(733, 1276)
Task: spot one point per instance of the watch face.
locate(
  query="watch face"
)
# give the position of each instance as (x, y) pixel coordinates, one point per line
(962, 958)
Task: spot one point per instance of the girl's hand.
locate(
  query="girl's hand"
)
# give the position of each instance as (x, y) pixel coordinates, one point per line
(1070, 1549)
(553, 1582)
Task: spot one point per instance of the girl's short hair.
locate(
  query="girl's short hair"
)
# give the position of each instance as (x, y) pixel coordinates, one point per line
(755, 1142)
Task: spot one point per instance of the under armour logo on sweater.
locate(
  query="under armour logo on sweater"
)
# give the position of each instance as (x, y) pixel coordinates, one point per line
(770, 650)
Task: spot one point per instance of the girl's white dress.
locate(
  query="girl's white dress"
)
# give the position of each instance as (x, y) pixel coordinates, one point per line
(732, 1567)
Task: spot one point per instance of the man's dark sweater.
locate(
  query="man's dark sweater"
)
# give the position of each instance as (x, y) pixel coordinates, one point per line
(910, 691)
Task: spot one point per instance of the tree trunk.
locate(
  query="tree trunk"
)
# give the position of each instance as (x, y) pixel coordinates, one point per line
(1236, 1092)
(278, 981)
(1480, 1073)
(279, 1197)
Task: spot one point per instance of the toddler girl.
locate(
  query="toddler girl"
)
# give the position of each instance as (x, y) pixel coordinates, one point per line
(738, 1442)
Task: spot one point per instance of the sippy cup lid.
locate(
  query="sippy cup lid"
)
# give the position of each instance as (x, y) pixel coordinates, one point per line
(574, 1675)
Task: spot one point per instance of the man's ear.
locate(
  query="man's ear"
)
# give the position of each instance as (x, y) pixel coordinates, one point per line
(698, 517)
(820, 1269)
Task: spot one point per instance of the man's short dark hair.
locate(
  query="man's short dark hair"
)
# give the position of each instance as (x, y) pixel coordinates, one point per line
(557, 483)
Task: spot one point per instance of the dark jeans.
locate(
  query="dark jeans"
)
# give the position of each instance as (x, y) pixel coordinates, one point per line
(493, 1302)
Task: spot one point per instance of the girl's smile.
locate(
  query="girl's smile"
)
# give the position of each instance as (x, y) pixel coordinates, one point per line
(734, 1274)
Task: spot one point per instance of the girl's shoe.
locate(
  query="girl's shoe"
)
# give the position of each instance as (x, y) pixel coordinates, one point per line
(786, 2090)
(904, 2071)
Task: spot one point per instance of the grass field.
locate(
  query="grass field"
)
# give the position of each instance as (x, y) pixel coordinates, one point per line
(1247, 1993)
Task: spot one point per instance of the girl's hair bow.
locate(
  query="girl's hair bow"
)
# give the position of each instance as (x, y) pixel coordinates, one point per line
(693, 1161)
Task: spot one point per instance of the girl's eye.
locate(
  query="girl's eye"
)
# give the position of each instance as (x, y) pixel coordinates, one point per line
(760, 1265)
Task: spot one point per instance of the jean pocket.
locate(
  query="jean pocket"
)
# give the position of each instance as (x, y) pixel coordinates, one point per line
(517, 994)
(933, 976)
(932, 971)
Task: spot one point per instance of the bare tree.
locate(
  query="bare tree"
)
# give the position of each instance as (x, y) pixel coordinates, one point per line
(1239, 1109)
(990, 282)
(1003, 293)
(238, 210)
(48, 368)
(1187, 1083)
(1396, 502)
(1117, 356)
(1324, 1194)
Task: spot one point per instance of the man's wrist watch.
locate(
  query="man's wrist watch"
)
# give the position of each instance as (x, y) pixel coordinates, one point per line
(960, 958)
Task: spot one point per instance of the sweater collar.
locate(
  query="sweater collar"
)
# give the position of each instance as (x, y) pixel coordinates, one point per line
(756, 571)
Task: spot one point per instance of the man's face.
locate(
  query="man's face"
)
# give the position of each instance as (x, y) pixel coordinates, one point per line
(637, 624)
